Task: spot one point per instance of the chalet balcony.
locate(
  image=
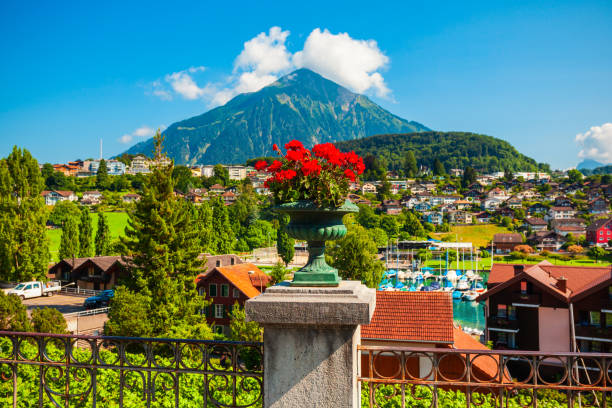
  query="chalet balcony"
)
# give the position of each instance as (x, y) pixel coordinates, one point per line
(593, 331)
(526, 298)
(494, 322)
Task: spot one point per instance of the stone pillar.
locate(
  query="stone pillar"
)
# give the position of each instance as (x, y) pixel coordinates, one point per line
(310, 343)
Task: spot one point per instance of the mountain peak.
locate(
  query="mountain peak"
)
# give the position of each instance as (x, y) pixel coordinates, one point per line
(301, 105)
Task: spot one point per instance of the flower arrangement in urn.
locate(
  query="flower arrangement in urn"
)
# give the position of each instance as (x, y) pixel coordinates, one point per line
(311, 187)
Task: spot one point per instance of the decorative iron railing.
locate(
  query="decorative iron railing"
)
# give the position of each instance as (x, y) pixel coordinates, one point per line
(437, 377)
(51, 370)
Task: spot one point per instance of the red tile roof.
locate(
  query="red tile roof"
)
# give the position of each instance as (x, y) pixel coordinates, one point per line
(579, 278)
(411, 316)
(246, 277)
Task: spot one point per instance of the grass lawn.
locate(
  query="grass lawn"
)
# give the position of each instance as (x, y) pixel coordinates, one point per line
(479, 235)
(486, 263)
(117, 222)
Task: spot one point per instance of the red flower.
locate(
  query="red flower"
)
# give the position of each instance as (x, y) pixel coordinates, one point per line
(311, 166)
(294, 155)
(294, 145)
(328, 152)
(289, 174)
(275, 147)
(261, 164)
(275, 166)
(349, 174)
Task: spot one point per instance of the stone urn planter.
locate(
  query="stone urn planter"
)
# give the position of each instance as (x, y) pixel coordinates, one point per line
(316, 225)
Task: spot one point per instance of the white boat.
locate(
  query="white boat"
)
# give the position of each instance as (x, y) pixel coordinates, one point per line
(463, 284)
(470, 295)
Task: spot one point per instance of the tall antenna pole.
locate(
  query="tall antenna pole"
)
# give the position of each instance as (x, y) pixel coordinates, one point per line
(100, 149)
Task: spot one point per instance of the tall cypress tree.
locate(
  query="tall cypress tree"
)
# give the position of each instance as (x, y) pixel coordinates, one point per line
(102, 175)
(24, 248)
(102, 241)
(284, 243)
(69, 244)
(161, 250)
(438, 168)
(410, 166)
(85, 233)
(223, 234)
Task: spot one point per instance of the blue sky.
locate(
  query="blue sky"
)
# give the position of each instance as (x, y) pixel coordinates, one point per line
(536, 74)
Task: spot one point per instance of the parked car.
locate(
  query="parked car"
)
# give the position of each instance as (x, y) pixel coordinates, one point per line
(28, 290)
(101, 300)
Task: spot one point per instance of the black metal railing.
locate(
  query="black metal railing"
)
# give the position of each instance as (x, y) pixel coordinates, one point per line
(433, 377)
(51, 370)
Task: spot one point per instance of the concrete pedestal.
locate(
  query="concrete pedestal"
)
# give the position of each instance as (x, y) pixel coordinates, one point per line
(310, 343)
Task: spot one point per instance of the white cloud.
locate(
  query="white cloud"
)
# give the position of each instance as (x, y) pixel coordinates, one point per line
(141, 132)
(183, 84)
(596, 143)
(350, 62)
(264, 58)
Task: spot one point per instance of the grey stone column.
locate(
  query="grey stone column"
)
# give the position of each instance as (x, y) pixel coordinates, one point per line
(310, 343)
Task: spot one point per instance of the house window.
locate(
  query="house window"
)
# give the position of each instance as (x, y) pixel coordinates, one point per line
(212, 289)
(524, 287)
(595, 318)
(218, 329)
(595, 346)
(232, 261)
(90, 271)
(201, 291)
(502, 311)
(608, 319)
(236, 293)
(511, 312)
(610, 291)
(225, 290)
(585, 346)
(219, 310)
(218, 263)
(502, 338)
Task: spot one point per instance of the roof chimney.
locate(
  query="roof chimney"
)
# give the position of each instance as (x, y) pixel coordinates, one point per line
(562, 284)
(518, 269)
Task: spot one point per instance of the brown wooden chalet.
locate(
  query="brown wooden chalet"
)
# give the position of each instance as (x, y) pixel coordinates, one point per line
(224, 286)
(506, 242)
(547, 307)
(98, 273)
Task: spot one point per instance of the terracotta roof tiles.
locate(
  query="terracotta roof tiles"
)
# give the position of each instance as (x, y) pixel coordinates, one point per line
(411, 316)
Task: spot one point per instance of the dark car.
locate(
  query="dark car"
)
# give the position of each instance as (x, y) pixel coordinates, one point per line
(101, 300)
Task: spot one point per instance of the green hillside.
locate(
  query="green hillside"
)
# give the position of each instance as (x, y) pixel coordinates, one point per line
(117, 221)
(453, 149)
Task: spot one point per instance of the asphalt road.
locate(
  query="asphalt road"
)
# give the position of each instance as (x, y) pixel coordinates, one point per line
(63, 303)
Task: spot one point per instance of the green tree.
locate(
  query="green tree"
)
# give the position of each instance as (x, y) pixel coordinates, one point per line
(62, 211)
(596, 253)
(13, 314)
(379, 236)
(69, 243)
(285, 245)
(469, 177)
(438, 168)
(278, 273)
(46, 171)
(413, 226)
(384, 189)
(221, 174)
(183, 178)
(223, 234)
(203, 220)
(355, 256)
(506, 222)
(163, 248)
(24, 248)
(390, 225)
(102, 179)
(49, 320)
(508, 175)
(102, 240)
(410, 165)
(575, 176)
(367, 217)
(241, 329)
(127, 315)
(85, 234)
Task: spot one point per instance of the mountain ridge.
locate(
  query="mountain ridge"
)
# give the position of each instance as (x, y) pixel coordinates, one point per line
(302, 105)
